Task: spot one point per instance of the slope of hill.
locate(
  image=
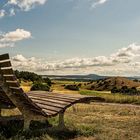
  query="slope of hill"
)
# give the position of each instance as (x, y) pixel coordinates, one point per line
(111, 82)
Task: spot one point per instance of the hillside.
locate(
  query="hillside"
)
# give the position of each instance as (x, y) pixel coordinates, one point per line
(109, 83)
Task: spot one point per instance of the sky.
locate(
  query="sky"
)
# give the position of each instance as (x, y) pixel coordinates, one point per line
(72, 36)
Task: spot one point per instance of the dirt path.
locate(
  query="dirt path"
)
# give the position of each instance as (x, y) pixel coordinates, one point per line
(117, 104)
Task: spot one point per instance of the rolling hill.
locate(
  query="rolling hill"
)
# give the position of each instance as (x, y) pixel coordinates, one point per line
(109, 83)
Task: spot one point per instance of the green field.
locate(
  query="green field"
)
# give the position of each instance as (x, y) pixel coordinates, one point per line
(113, 98)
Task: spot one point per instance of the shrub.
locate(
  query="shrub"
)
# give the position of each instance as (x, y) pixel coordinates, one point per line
(125, 90)
(48, 81)
(40, 86)
(92, 87)
(79, 85)
(114, 90)
(72, 87)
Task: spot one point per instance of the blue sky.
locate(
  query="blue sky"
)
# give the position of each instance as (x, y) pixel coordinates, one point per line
(72, 36)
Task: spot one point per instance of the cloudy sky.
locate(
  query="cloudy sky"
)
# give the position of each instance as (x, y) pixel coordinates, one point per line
(72, 36)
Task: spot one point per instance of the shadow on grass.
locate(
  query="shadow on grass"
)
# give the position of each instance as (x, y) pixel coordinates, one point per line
(14, 129)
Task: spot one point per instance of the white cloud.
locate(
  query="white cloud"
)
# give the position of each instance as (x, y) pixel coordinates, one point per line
(26, 5)
(2, 13)
(124, 61)
(17, 35)
(10, 38)
(4, 45)
(12, 12)
(98, 2)
(11, 7)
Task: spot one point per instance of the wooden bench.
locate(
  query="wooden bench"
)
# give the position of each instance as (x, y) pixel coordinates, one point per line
(34, 105)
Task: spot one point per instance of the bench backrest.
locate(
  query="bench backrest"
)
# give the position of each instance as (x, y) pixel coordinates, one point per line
(10, 87)
(7, 74)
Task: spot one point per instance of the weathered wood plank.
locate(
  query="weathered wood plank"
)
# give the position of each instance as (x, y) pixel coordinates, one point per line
(57, 95)
(48, 103)
(49, 107)
(49, 100)
(5, 64)
(64, 96)
(12, 83)
(62, 99)
(50, 112)
(7, 71)
(4, 57)
(67, 95)
(9, 77)
(56, 98)
(16, 89)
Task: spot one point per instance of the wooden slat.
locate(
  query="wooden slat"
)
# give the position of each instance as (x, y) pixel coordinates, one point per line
(61, 100)
(48, 103)
(12, 83)
(4, 57)
(7, 71)
(55, 98)
(16, 89)
(5, 64)
(53, 95)
(62, 97)
(50, 112)
(49, 107)
(49, 100)
(67, 95)
(9, 77)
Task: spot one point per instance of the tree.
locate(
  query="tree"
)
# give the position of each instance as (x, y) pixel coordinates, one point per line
(48, 81)
(17, 73)
(25, 75)
(114, 90)
(40, 86)
(136, 80)
(72, 87)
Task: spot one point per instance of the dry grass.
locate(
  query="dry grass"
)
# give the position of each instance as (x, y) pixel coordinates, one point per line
(58, 86)
(26, 86)
(105, 122)
(94, 122)
(90, 122)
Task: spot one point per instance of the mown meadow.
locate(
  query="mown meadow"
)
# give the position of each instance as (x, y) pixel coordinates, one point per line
(91, 122)
(95, 121)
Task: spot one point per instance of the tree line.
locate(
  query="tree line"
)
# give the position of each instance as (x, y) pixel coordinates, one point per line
(126, 90)
(39, 83)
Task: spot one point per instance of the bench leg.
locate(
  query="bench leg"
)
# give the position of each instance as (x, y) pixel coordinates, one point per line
(61, 124)
(26, 124)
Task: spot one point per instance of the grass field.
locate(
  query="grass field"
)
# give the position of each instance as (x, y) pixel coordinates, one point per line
(113, 98)
(93, 121)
